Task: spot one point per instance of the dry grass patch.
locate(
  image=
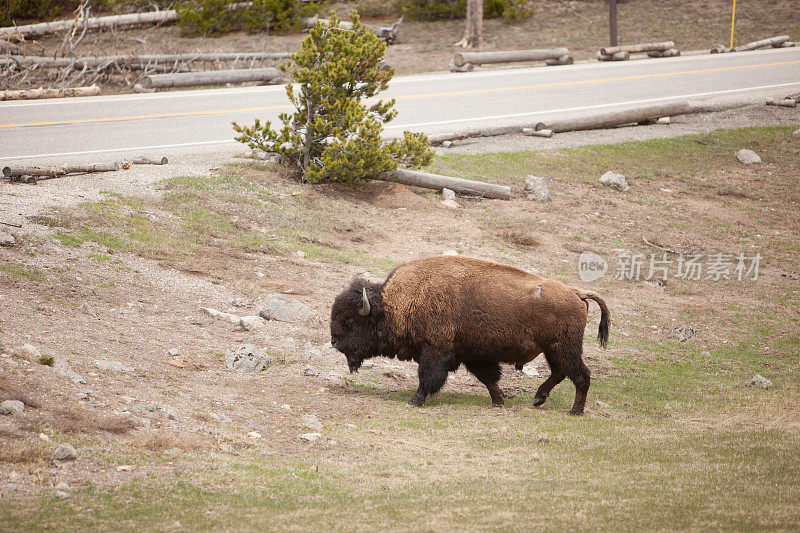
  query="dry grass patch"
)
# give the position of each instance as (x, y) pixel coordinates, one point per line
(77, 420)
(23, 452)
(163, 441)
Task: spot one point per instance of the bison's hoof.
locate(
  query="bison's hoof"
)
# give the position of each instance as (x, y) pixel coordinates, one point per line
(538, 401)
(416, 402)
(497, 403)
(576, 412)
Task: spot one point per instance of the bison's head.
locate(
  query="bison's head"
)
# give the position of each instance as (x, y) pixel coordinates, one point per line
(355, 315)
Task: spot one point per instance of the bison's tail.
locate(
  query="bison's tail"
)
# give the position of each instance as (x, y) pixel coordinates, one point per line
(605, 315)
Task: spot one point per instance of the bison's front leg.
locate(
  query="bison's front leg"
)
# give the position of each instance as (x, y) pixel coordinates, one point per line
(432, 373)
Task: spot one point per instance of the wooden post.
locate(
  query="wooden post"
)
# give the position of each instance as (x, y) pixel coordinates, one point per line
(610, 119)
(612, 21)
(437, 182)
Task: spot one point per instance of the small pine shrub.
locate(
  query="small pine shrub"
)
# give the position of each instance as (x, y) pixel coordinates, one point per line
(19, 11)
(279, 16)
(456, 9)
(47, 360)
(208, 17)
(332, 135)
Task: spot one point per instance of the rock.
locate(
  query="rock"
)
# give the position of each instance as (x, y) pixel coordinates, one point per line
(747, 157)
(241, 302)
(170, 414)
(603, 405)
(615, 181)
(311, 422)
(352, 426)
(450, 253)
(283, 308)
(62, 486)
(447, 144)
(252, 322)
(29, 352)
(247, 358)
(530, 369)
(536, 189)
(221, 417)
(65, 452)
(281, 344)
(62, 367)
(254, 435)
(6, 239)
(61, 495)
(83, 396)
(153, 407)
(368, 364)
(759, 382)
(448, 194)
(174, 352)
(796, 132)
(684, 332)
(451, 204)
(44, 437)
(310, 371)
(233, 319)
(114, 366)
(12, 407)
(663, 120)
(309, 437)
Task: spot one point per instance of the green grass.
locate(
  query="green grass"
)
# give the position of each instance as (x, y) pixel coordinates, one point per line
(675, 158)
(17, 271)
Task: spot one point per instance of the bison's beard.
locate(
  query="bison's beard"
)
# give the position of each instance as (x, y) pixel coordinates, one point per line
(354, 363)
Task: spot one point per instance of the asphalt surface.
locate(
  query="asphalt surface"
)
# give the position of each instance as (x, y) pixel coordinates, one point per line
(181, 123)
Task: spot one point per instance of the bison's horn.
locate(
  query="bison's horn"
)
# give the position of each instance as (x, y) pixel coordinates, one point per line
(364, 311)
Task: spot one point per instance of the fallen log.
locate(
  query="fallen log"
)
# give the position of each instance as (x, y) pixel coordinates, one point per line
(59, 170)
(672, 52)
(610, 119)
(563, 60)
(148, 161)
(33, 94)
(785, 102)
(634, 48)
(530, 132)
(387, 33)
(439, 138)
(772, 41)
(508, 56)
(618, 56)
(437, 182)
(96, 23)
(210, 77)
(138, 62)
(720, 49)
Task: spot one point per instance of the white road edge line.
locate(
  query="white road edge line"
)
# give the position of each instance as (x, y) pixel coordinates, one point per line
(422, 124)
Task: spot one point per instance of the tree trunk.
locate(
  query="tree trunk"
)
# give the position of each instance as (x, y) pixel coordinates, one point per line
(633, 48)
(473, 30)
(11, 172)
(437, 182)
(140, 62)
(609, 119)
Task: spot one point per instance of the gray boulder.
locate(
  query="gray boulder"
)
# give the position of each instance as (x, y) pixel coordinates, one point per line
(311, 422)
(448, 194)
(6, 239)
(615, 181)
(12, 407)
(29, 352)
(747, 157)
(310, 371)
(247, 358)
(536, 189)
(65, 452)
(114, 366)
(760, 382)
(283, 308)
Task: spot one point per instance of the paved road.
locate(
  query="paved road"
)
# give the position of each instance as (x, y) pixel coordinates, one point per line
(181, 122)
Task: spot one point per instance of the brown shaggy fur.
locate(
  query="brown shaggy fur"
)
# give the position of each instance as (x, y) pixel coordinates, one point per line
(446, 311)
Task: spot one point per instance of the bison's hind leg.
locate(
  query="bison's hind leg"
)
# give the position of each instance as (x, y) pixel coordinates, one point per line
(488, 373)
(565, 359)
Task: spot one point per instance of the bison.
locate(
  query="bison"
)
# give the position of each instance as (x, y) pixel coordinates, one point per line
(443, 312)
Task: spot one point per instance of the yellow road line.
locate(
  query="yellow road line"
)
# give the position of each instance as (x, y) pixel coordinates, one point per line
(407, 97)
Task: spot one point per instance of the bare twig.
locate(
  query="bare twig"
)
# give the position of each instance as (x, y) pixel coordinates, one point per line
(664, 248)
